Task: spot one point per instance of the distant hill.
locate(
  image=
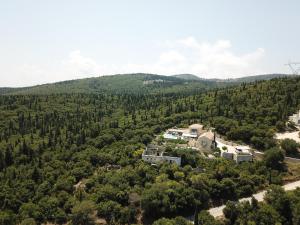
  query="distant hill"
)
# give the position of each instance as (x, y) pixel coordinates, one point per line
(136, 83)
(5, 90)
(248, 79)
(187, 77)
(122, 83)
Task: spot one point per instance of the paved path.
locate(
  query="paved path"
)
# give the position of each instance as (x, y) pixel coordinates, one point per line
(218, 211)
(291, 135)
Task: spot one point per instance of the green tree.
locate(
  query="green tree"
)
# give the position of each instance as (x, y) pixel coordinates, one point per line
(2, 161)
(110, 210)
(176, 221)
(30, 210)
(7, 218)
(290, 146)
(267, 215)
(274, 159)
(278, 199)
(28, 221)
(230, 212)
(296, 213)
(204, 218)
(83, 213)
(166, 198)
(49, 207)
(280, 126)
(8, 157)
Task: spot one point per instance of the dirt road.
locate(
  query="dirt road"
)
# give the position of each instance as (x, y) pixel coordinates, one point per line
(291, 135)
(218, 211)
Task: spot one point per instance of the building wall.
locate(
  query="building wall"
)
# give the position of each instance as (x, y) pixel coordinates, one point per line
(226, 155)
(196, 128)
(295, 118)
(242, 158)
(171, 159)
(204, 143)
(160, 159)
(236, 157)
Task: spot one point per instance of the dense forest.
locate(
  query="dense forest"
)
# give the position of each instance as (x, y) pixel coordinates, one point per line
(137, 83)
(77, 156)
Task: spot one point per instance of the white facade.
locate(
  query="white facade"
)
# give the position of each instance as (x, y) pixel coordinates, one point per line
(153, 155)
(236, 153)
(186, 136)
(242, 158)
(192, 132)
(227, 155)
(295, 118)
(161, 158)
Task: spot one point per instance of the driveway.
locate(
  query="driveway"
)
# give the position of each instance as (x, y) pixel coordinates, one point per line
(291, 135)
(218, 211)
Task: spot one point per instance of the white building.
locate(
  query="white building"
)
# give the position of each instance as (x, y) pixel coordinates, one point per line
(206, 141)
(243, 154)
(173, 134)
(196, 129)
(192, 132)
(188, 136)
(295, 118)
(155, 154)
(236, 153)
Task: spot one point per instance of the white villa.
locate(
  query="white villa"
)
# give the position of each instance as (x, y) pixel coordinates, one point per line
(236, 153)
(192, 132)
(200, 139)
(173, 134)
(295, 118)
(155, 154)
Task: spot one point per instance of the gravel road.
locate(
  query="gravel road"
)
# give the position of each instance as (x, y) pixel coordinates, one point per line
(218, 211)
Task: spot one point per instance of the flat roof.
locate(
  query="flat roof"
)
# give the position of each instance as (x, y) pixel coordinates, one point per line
(182, 130)
(210, 135)
(189, 135)
(196, 126)
(170, 136)
(243, 148)
(230, 149)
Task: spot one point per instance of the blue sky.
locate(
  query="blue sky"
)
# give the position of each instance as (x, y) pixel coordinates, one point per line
(47, 41)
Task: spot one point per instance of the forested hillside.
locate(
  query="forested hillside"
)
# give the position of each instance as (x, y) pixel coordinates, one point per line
(65, 157)
(259, 77)
(136, 83)
(117, 84)
(188, 77)
(278, 207)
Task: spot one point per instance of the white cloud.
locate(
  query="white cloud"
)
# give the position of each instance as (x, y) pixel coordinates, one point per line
(218, 59)
(171, 57)
(203, 58)
(79, 65)
(188, 55)
(75, 66)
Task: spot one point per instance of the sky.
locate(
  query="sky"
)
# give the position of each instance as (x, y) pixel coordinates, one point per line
(55, 40)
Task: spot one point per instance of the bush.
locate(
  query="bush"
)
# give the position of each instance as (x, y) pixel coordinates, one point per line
(82, 213)
(28, 221)
(290, 146)
(274, 159)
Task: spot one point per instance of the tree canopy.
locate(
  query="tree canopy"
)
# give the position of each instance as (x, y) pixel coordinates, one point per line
(64, 155)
